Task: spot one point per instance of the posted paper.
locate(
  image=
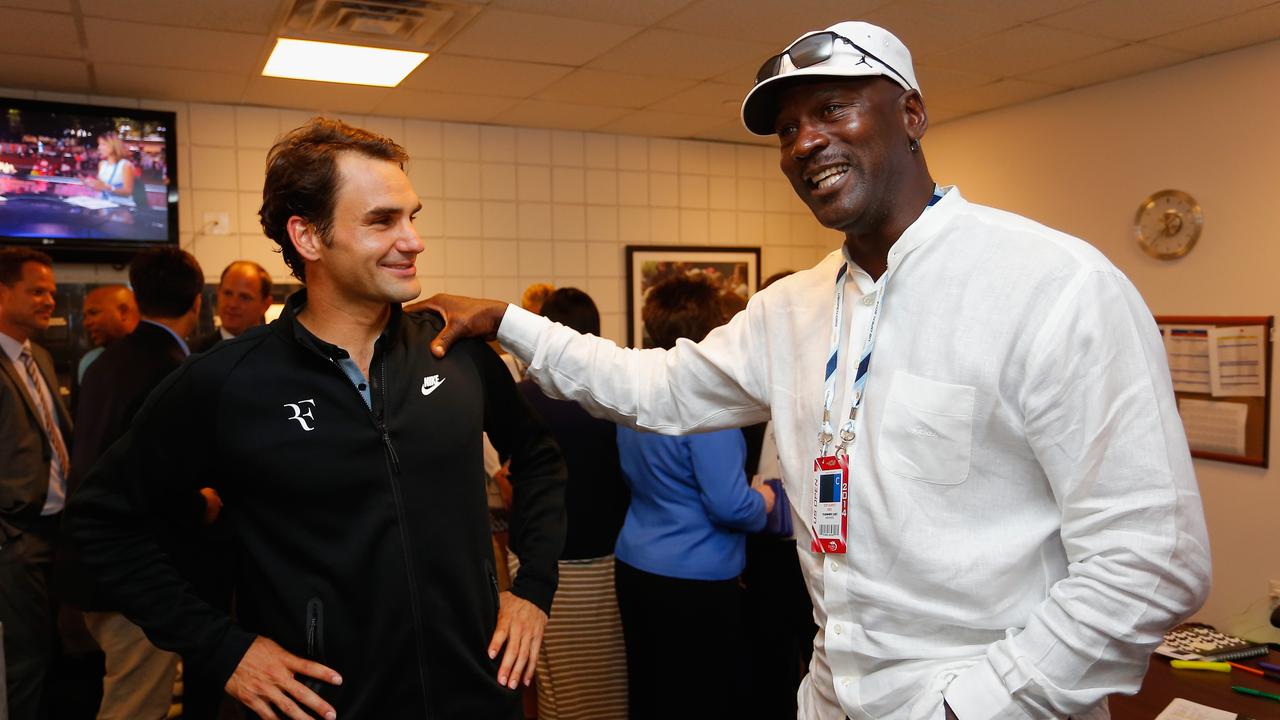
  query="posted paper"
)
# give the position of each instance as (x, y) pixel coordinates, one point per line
(1214, 426)
(1238, 361)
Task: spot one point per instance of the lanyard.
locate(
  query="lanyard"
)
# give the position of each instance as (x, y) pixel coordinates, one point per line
(847, 429)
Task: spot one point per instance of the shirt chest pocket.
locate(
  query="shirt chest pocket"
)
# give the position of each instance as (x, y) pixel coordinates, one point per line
(927, 432)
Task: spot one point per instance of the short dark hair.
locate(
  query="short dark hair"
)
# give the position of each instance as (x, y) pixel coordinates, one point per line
(13, 258)
(681, 307)
(302, 179)
(166, 281)
(572, 308)
(264, 277)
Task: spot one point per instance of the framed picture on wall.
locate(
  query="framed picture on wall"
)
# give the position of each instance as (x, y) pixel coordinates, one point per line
(735, 270)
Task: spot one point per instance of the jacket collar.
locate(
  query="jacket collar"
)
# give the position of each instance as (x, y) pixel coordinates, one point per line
(295, 331)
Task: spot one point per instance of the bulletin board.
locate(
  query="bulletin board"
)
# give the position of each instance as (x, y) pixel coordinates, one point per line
(1221, 368)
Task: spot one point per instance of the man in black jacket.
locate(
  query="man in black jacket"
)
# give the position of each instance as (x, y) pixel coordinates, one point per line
(167, 282)
(349, 463)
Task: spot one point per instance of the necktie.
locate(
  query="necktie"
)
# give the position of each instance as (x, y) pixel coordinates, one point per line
(57, 491)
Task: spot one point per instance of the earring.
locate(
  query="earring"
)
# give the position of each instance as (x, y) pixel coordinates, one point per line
(914, 146)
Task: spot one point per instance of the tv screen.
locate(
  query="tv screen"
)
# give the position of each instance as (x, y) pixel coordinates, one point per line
(87, 182)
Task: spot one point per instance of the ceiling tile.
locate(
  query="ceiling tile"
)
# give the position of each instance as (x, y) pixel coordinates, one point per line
(63, 75)
(627, 12)
(1022, 49)
(63, 6)
(1008, 91)
(661, 124)
(1227, 34)
(676, 54)
(734, 132)
(1142, 19)
(540, 113)
(715, 99)
(938, 82)
(248, 16)
(773, 23)
(131, 43)
(503, 78)
(442, 106)
(1013, 11)
(168, 83)
(536, 38)
(309, 95)
(40, 33)
(1110, 65)
(601, 87)
(743, 72)
(931, 30)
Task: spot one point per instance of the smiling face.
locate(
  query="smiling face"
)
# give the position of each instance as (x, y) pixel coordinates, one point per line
(109, 314)
(372, 244)
(241, 303)
(844, 147)
(26, 306)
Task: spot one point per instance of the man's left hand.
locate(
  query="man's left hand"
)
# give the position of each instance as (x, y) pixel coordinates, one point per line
(520, 626)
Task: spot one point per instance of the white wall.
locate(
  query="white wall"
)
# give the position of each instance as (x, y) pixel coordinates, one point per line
(503, 207)
(1083, 161)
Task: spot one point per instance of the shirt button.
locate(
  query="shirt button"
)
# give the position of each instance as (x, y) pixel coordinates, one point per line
(835, 566)
(844, 682)
(869, 300)
(838, 628)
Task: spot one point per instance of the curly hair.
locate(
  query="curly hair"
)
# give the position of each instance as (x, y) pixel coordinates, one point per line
(302, 179)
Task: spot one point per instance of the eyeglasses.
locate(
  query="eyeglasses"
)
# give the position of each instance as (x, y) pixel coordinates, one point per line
(813, 49)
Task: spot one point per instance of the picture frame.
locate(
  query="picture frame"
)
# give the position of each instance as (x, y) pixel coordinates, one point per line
(735, 269)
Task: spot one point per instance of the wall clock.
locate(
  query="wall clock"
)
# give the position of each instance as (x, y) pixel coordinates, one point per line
(1168, 224)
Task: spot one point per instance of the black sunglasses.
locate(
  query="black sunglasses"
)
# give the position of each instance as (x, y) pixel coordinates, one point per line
(813, 49)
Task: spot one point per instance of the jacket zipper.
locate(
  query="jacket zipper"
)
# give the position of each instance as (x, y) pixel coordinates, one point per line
(393, 472)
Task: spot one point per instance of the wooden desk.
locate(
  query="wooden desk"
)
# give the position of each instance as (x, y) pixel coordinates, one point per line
(1163, 684)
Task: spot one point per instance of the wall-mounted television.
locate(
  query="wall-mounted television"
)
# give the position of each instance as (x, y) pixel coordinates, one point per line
(87, 183)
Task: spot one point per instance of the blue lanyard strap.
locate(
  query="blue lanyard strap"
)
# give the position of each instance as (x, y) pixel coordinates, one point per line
(847, 429)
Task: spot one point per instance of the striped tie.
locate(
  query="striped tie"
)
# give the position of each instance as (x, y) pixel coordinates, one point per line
(43, 399)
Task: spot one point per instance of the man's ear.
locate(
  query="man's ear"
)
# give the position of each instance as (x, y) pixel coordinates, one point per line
(915, 118)
(305, 239)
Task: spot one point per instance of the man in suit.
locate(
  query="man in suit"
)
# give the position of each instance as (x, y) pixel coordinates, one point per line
(34, 462)
(110, 313)
(167, 282)
(244, 294)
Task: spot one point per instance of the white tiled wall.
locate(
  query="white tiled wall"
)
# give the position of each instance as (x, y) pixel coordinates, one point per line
(503, 207)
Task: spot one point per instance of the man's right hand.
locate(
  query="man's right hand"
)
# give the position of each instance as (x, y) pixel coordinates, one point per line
(766, 492)
(464, 317)
(264, 681)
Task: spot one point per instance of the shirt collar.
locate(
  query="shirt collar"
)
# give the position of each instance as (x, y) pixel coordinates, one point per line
(181, 343)
(13, 348)
(932, 219)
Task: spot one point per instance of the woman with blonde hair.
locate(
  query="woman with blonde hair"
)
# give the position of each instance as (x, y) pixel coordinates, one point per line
(116, 174)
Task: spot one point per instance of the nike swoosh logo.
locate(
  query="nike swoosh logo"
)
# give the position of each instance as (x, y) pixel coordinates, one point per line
(428, 386)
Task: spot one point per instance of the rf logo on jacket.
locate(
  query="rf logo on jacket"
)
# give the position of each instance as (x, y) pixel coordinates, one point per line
(302, 416)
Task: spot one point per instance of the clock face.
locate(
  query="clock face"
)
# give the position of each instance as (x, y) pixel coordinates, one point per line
(1168, 224)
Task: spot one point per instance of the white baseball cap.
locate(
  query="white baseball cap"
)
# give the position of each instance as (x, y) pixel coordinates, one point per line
(857, 49)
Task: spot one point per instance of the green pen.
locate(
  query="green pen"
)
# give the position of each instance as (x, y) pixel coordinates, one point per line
(1257, 693)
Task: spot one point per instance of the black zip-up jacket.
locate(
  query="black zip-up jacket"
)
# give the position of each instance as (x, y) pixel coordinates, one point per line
(363, 533)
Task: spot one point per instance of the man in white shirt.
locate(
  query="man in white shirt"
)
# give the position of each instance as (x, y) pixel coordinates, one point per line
(1022, 519)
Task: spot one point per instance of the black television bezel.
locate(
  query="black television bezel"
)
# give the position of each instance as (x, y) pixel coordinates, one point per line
(89, 250)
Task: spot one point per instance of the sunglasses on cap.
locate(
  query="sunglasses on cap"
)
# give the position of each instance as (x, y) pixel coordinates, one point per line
(817, 48)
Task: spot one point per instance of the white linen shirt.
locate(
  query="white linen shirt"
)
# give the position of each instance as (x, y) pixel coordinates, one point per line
(1024, 521)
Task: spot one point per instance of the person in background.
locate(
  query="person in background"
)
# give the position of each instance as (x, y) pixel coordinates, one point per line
(139, 676)
(110, 313)
(349, 461)
(683, 542)
(35, 432)
(973, 412)
(244, 296)
(582, 670)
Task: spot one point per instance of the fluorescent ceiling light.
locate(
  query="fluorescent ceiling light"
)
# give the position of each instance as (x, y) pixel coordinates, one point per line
(334, 62)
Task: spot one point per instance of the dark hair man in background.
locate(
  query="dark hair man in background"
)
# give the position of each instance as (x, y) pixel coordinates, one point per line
(35, 432)
(167, 283)
(989, 397)
(244, 295)
(110, 313)
(349, 461)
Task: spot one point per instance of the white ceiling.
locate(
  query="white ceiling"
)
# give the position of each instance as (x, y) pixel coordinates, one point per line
(675, 68)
